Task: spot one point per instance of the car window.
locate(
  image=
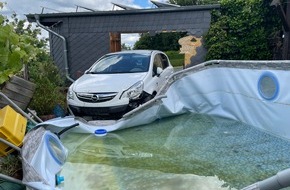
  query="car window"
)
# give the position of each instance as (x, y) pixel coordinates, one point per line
(122, 63)
(156, 63)
(160, 60)
(164, 61)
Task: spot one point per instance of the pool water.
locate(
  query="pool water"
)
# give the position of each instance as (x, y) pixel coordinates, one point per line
(190, 151)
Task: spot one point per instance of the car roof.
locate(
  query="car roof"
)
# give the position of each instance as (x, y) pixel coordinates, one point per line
(134, 51)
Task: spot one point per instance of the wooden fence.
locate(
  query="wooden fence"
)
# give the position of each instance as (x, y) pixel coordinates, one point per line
(19, 90)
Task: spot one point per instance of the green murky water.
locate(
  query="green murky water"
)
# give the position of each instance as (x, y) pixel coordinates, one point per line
(190, 151)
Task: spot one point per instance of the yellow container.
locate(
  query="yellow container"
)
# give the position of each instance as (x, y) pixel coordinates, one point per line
(12, 129)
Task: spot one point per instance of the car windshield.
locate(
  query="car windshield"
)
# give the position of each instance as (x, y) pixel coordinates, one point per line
(121, 63)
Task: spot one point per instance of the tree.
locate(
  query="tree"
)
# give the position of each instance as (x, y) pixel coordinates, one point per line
(241, 30)
(125, 47)
(183, 2)
(20, 45)
(192, 2)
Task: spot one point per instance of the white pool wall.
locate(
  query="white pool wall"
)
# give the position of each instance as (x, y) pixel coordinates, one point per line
(231, 89)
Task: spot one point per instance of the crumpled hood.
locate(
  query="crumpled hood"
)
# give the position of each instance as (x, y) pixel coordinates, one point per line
(94, 83)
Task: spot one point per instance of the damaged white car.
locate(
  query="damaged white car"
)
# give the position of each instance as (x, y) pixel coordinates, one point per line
(119, 82)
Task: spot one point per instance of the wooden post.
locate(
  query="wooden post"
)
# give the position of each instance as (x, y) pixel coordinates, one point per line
(286, 43)
(285, 18)
(115, 42)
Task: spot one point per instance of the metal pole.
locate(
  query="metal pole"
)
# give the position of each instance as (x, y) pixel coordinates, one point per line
(11, 179)
(34, 115)
(276, 182)
(18, 108)
(10, 144)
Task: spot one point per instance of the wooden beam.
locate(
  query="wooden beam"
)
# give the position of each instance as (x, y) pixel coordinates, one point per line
(285, 18)
(286, 42)
(115, 42)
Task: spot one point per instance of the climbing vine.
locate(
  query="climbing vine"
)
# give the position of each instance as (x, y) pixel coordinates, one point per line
(16, 48)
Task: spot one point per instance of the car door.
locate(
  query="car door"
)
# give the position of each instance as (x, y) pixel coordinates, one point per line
(167, 69)
(160, 61)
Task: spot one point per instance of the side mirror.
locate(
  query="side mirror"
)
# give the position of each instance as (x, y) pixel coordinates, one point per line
(159, 71)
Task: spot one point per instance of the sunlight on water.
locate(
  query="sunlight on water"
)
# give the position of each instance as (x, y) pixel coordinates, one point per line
(190, 151)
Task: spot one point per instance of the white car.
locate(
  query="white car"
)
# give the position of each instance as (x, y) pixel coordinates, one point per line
(119, 82)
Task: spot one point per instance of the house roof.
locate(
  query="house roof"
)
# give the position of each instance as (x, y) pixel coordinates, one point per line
(31, 17)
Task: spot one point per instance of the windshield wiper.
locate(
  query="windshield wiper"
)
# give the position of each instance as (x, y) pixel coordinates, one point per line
(91, 72)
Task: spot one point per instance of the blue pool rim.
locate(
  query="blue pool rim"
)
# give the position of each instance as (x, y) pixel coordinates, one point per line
(274, 79)
(52, 153)
(100, 132)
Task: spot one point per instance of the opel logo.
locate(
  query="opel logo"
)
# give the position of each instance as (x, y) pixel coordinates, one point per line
(95, 97)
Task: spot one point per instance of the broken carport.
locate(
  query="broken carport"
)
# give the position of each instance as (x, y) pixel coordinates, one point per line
(78, 39)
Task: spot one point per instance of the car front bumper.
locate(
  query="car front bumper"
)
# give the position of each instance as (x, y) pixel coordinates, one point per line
(98, 111)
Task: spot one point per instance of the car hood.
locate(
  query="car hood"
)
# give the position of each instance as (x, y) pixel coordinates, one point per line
(93, 83)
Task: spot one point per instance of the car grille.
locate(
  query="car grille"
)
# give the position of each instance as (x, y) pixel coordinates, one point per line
(114, 112)
(96, 97)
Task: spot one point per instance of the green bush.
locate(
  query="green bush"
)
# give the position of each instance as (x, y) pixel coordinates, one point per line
(49, 84)
(160, 41)
(241, 30)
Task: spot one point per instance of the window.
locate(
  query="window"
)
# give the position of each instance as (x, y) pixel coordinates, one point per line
(268, 86)
(157, 63)
(121, 63)
(164, 61)
(160, 60)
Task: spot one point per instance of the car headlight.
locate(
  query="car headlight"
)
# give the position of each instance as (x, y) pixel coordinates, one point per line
(134, 91)
(70, 94)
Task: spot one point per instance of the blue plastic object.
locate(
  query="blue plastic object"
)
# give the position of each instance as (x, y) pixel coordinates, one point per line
(58, 111)
(59, 179)
(100, 132)
(55, 149)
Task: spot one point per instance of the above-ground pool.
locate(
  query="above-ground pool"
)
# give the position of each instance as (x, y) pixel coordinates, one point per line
(218, 125)
(190, 151)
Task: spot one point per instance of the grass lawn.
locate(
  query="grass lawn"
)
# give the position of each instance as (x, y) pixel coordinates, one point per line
(176, 59)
